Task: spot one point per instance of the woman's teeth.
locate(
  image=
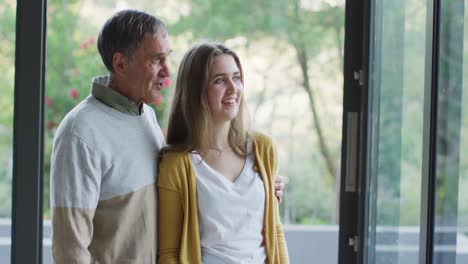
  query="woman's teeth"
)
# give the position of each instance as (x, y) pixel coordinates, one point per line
(229, 101)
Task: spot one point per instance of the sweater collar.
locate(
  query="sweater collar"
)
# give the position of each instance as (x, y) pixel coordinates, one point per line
(101, 91)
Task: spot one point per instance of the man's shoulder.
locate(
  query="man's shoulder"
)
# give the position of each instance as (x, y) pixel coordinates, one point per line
(147, 108)
(81, 118)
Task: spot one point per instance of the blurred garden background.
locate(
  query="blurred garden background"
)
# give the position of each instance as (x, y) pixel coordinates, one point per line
(292, 53)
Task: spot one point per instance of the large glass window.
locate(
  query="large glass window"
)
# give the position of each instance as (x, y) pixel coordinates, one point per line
(7, 68)
(399, 62)
(396, 79)
(451, 200)
(292, 53)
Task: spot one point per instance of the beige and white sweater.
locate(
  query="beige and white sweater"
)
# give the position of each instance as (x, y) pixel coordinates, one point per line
(103, 194)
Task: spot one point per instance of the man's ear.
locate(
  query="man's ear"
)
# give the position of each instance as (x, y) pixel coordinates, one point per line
(119, 63)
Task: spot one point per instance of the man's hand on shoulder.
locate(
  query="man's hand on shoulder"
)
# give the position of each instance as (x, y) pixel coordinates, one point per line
(280, 183)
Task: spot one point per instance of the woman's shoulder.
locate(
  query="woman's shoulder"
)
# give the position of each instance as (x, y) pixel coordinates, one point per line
(261, 139)
(173, 170)
(172, 158)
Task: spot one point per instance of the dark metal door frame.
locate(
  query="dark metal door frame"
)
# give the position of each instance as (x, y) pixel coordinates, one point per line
(26, 246)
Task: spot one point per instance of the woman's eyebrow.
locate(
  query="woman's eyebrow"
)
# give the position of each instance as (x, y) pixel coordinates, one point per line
(223, 74)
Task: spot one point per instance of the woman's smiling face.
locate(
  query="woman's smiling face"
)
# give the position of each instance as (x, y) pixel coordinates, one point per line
(225, 89)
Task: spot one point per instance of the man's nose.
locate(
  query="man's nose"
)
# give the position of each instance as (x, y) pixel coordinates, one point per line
(164, 72)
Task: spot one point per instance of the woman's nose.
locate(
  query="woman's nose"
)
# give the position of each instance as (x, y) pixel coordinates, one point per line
(231, 86)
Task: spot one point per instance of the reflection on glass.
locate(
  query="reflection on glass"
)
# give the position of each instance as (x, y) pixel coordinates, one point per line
(395, 135)
(451, 212)
(7, 68)
(293, 87)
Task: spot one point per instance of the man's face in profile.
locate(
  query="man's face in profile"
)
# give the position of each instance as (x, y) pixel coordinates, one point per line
(147, 70)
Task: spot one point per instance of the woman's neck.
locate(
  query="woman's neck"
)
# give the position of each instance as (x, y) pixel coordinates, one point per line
(220, 136)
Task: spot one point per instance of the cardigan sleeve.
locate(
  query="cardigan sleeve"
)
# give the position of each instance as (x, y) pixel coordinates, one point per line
(280, 239)
(170, 213)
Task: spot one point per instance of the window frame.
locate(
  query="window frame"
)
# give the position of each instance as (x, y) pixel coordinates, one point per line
(28, 127)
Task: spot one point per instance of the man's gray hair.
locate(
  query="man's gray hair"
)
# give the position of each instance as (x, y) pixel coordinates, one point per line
(123, 32)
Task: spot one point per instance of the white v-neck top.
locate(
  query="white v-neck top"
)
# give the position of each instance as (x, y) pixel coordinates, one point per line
(230, 214)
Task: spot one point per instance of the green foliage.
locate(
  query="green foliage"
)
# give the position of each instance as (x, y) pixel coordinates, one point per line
(7, 51)
(283, 20)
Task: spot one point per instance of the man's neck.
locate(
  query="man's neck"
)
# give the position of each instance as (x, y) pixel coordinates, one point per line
(117, 85)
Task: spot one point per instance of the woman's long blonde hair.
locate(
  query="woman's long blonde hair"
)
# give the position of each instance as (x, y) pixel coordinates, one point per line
(190, 117)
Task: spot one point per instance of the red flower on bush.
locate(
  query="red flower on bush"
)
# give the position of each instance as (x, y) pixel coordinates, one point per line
(158, 100)
(167, 82)
(73, 93)
(48, 101)
(50, 124)
(85, 44)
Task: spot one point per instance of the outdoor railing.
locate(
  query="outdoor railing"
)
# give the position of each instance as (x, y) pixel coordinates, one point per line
(306, 243)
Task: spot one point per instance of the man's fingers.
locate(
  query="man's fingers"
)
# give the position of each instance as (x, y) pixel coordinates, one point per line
(279, 195)
(279, 186)
(282, 179)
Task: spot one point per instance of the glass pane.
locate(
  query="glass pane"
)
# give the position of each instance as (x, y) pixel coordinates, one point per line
(395, 133)
(451, 212)
(294, 83)
(7, 68)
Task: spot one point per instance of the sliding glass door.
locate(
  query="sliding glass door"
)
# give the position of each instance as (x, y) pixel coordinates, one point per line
(395, 131)
(450, 240)
(415, 209)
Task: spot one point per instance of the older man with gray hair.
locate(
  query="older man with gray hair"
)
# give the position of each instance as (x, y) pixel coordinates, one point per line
(104, 158)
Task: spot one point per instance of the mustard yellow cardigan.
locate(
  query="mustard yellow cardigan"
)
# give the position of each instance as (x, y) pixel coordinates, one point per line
(178, 229)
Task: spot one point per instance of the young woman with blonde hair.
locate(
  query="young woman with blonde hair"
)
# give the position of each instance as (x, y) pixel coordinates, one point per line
(216, 178)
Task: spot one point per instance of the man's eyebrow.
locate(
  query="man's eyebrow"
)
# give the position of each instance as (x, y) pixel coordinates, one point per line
(161, 54)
